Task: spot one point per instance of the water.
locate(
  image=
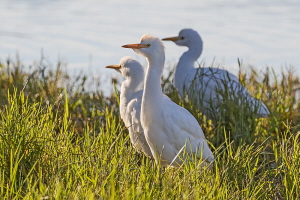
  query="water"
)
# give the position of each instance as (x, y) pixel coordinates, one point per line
(88, 34)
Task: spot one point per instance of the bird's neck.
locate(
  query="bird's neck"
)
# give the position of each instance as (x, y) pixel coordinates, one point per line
(187, 61)
(189, 57)
(152, 87)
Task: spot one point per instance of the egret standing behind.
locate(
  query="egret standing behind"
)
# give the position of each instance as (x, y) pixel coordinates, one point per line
(206, 85)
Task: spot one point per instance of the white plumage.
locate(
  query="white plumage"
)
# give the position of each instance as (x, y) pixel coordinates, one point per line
(130, 101)
(169, 129)
(207, 84)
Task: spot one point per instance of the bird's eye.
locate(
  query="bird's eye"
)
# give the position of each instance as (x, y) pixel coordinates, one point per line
(149, 45)
(182, 38)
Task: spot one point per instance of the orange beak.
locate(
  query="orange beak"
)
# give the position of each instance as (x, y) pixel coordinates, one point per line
(174, 39)
(136, 46)
(116, 67)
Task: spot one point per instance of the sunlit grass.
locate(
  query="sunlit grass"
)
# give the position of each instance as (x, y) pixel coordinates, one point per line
(58, 141)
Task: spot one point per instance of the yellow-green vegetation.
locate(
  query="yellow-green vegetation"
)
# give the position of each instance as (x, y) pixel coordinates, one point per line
(60, 141)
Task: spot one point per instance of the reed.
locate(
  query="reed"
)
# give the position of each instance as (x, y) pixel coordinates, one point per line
(61, 141)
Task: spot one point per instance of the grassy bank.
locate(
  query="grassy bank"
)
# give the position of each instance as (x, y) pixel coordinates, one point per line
(60, 141)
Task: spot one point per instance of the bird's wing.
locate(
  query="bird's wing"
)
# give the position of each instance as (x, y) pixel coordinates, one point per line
(134, 112)
(237, 90)
(136, 131)
(183, 129)
(182, 119)
(209, 80)
(213, 84)
(245, 97)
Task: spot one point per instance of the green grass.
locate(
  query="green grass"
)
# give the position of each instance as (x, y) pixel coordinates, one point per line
(59, 141)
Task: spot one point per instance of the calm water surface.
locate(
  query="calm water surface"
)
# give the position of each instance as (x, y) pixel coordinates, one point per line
(88, 34)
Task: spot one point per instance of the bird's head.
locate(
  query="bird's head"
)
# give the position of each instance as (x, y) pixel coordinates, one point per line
(129, 68)
(149, 46)
(186, 37)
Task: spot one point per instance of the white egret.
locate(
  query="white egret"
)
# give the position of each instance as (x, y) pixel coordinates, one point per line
(207, 84)
(169, 129)
(130, 101)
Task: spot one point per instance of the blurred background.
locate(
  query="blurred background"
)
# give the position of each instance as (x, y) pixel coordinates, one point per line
(88, 35)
